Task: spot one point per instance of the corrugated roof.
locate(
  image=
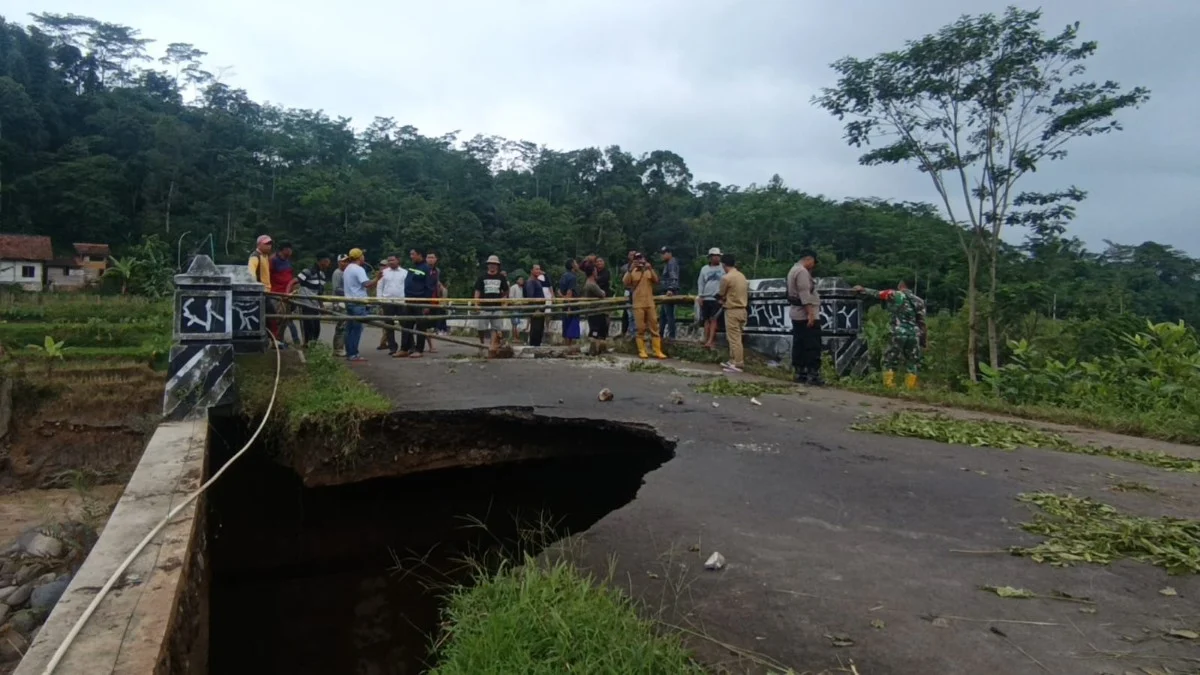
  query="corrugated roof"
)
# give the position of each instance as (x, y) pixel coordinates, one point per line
(25, 247)
(92, 249)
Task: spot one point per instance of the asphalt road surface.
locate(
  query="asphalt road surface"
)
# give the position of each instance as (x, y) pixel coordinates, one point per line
(842, 547)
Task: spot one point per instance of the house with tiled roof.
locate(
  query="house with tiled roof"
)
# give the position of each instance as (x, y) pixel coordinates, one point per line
(23, 260)
(92, 259)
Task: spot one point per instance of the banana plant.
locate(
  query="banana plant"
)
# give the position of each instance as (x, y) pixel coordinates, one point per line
(50, 350)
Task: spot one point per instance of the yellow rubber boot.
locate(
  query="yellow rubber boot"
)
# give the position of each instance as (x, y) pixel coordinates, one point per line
(641, 345)
(910, 381)
(889, 379)
(658, 352)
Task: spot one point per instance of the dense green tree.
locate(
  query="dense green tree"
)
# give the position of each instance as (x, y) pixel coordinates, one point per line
(99, 142)
(977, 106)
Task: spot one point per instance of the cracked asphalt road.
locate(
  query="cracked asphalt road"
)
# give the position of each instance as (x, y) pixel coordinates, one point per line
(830, 532)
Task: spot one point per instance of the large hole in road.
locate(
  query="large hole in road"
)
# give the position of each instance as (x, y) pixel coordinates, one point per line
(350, 578)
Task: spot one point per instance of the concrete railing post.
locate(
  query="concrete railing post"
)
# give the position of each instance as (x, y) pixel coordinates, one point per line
(200, 372)
(249, 309)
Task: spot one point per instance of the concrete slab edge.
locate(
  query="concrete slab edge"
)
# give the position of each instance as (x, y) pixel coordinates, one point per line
(131, 630)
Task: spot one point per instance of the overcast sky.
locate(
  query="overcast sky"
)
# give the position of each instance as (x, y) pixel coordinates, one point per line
(725, 84)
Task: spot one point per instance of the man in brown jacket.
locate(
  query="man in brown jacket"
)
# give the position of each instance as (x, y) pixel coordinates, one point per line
(640, 280)
(806, 324)
(735, 298)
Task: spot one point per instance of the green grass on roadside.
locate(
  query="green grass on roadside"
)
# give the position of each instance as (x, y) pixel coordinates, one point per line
(321, 395)
(547, 619)
(1183, 430)
(1080, 530)
(1008, 436)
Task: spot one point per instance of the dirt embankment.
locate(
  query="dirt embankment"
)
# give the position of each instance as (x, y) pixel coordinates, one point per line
(77, 427)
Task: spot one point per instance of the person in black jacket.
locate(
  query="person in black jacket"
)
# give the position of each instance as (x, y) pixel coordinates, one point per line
(418, 284)
(534, 291)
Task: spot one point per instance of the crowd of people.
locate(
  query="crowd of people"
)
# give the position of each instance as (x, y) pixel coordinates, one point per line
(416, 305)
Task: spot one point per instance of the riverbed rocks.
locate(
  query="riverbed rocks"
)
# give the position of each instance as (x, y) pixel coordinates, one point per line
(35, 570)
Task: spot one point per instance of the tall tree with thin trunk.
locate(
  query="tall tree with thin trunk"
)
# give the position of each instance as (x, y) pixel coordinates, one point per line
(977, 106)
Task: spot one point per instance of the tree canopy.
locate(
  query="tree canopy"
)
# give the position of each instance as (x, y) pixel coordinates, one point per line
(101, 141)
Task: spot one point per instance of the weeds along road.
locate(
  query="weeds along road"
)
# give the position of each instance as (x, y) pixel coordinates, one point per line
(842, 546)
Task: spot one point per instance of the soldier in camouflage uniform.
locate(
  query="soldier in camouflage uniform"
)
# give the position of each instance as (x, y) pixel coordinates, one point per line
(908, 332)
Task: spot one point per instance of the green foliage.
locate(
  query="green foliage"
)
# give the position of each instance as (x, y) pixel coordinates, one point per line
(49, 349)
(1009, 436)
(1080, 530)
(1155, 373)
(550, 619)
(724, 386)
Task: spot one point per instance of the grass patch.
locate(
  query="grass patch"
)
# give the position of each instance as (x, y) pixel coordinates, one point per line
(547, 619)
(1082, 530)
(80, 308)
(320, 395)
(1009, 436)
(723, 386)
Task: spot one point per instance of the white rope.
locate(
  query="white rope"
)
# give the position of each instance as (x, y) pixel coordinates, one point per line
(112, 580)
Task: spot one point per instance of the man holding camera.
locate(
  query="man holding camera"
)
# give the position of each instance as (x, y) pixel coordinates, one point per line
(640, 280)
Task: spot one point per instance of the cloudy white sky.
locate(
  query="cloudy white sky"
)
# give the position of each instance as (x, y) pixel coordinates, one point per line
(725, 84)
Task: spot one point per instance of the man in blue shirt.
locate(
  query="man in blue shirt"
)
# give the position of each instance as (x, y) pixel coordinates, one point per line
(567, 291)
(356, 283)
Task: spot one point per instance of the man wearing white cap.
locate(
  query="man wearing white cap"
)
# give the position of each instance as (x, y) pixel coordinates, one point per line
(708, 287)
(492, 285)
(260, 260)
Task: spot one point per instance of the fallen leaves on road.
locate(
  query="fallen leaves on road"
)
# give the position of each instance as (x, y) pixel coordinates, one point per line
(1009, 436)
(1010, 592)
(840, 639)
(1083, 530)
(723, 386)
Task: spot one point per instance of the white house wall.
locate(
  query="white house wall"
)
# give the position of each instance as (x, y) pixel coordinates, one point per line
(10, 273)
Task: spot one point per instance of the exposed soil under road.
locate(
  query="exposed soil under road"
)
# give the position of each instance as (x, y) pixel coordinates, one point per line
(833, 533)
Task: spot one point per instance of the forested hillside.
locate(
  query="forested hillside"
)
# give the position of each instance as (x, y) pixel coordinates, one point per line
(108, 136)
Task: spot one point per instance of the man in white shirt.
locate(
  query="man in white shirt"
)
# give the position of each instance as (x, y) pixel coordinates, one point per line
(391, 285)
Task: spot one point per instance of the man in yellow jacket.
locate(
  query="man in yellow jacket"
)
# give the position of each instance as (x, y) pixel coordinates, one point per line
(640, 281)
(260, 261)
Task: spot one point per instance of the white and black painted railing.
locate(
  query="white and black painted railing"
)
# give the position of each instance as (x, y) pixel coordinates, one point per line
(218, 309)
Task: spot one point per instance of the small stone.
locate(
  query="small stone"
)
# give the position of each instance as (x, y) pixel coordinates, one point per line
(45, 578)
(715, 561)
(605, 394)
(716, 405)
(676, 397)
(4, 610)
(24, 621)
(46, 596)
(19, 596)
(5, 592)
(44, 546)
(27, 573)
(9, 568)
(13, 646)
(1168, 591)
